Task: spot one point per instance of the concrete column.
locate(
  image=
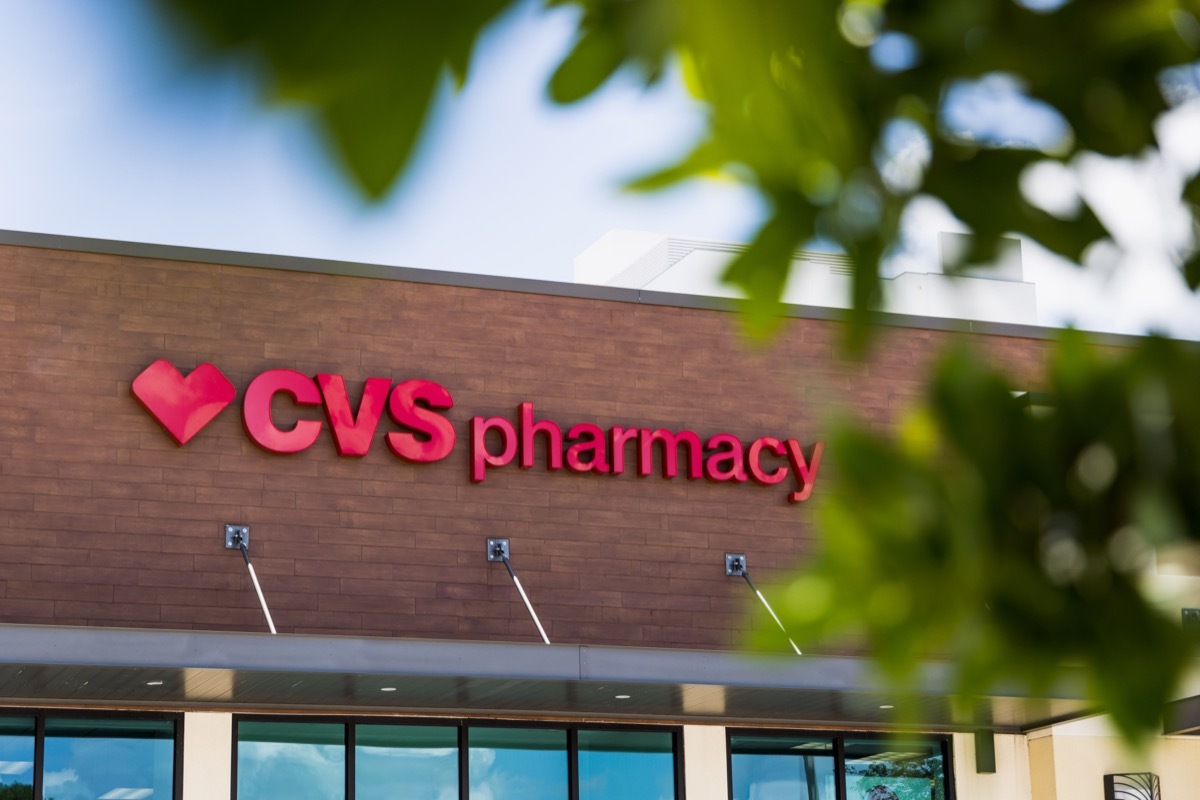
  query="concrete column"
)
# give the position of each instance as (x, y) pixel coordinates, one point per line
(207, 755)
(1041, 767)
(706, 775)
(1011, 779)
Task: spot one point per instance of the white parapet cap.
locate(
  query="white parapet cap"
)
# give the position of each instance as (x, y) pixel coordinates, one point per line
(655, 262)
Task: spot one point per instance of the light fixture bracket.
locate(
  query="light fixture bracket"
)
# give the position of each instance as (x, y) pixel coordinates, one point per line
(236, 536)
(497, 549)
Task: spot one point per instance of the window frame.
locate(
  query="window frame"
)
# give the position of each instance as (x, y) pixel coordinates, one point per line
(40, 715)
(462, 726)
(839, 737)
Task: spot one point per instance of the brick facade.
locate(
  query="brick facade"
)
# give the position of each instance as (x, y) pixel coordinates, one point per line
(105, 521)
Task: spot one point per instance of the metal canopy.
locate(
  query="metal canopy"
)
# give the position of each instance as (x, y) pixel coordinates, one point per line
(172, 669)
(55, 665)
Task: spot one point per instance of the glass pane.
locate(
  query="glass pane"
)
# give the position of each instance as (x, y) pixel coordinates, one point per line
(130, 759)
(16, 756)
(291, 761)
(518, 764)
(779, 767)
(890, 769)
(420, 760)
(620, 765)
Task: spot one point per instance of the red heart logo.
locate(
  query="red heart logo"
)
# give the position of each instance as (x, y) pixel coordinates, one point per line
(183, 405)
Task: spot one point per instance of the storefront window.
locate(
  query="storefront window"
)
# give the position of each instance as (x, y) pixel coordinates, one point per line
(281, 759)
(421, 759)
(782, 768)
(891, 769)
(291, 761)
(107, 758)
(626, 765)
(518, 764)
(16, 757)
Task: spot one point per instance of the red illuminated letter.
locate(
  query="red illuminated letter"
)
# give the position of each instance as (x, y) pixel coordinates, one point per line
(434, 434)
(805, 471)
(352, 434)
(591, 443)
(618, 437)
(754, 461)
(256, 410)
(670, 450)
(481, 459)
(726, 461)
(551, 431)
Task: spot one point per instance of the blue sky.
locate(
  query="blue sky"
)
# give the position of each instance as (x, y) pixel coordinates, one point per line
(110, 135)
(107, 133)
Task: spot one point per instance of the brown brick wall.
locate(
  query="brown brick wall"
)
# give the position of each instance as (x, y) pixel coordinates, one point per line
(105, 521)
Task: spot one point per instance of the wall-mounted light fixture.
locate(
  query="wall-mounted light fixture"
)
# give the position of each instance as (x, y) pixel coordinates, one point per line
(237, 537)
(735, 567)
(497, 550)
(1132, 786)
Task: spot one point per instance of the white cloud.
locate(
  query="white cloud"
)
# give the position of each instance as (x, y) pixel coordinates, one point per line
(59, 778)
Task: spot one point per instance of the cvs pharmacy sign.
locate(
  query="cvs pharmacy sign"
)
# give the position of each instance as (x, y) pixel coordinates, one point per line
(184, 405)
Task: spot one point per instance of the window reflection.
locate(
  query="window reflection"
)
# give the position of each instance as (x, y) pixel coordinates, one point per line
(626, 765)
(421, 759)
(894, 770)
(280, 759)
(291, 761)
(109, 759)
(16, 757)
(782, 768)
(518, 764)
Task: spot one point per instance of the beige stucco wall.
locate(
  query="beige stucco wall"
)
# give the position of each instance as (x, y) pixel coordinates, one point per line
(704, 762)
(1083, 752)
(1011, 780)
(207, 755)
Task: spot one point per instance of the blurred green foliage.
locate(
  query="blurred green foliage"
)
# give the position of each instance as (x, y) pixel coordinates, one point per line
(368, 70)
(1011, 538)
(1014, 538)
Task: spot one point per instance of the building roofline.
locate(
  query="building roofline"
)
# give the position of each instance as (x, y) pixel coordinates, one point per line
(355, 269)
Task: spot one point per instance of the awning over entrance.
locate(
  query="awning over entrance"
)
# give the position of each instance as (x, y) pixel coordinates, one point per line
(113, 667)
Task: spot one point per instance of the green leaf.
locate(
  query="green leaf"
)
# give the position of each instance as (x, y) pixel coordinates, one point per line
(368, 71)
(1191, 190)
(761, 270)
(701, 161)
(593, 60)
(1191, 271)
